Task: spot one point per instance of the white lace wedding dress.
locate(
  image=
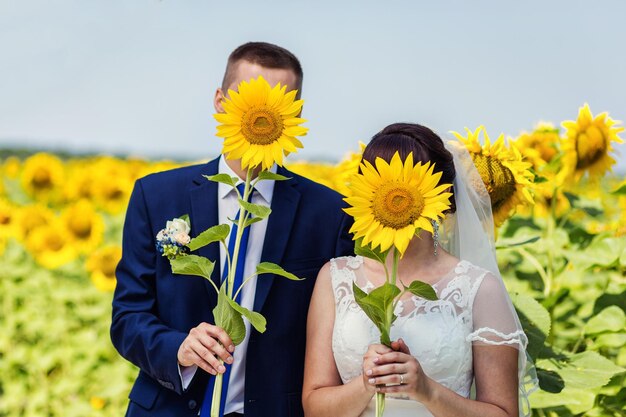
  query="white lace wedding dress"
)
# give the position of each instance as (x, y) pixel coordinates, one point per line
(439, 333)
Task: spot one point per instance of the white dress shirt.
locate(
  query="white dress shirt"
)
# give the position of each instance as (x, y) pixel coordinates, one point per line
(228, 206)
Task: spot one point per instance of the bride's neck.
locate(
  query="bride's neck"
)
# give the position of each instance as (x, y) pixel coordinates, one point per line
(419, 255)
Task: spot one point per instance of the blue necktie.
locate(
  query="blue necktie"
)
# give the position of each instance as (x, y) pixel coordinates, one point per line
(241, 261)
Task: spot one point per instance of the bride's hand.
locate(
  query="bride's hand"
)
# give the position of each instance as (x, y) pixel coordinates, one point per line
(396, 371)
(369, 362)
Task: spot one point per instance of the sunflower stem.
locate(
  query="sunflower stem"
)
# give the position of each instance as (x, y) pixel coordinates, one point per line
(217, 395)
(240, 226)
(549, 236)
(394, 268)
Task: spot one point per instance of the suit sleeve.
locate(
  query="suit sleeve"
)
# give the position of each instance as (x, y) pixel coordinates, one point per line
(344, 245)
(137, 332)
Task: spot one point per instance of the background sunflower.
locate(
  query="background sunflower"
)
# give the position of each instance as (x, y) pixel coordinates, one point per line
(502, 170)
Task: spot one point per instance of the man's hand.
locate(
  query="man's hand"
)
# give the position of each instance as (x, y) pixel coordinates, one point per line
(203, 346)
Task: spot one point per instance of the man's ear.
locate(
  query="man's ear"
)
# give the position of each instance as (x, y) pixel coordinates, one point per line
(217, 100)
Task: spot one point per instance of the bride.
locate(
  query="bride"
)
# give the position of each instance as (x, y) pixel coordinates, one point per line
(461, 355)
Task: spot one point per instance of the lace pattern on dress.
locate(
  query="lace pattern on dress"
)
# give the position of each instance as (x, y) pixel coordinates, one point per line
(437, 332)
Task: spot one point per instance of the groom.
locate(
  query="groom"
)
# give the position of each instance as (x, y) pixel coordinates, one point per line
(163, 323)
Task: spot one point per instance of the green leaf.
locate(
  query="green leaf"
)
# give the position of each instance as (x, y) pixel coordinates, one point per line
(611, 319)
(192, 265)
(185, 217)
(368, 252)
(223, 178)
(256, 319)
(372, 309)
(621, 190)
(377, 306)
(584, 370)
(257, 210)
(580, 400)
(550, 381)
(535, 321)
(251, 221)
(510, 243)
(384, 295)
(611, 340)
(210, 235)
(228, 318)
(268, 175)
(603, 251)
(271, 268)
(421, 289)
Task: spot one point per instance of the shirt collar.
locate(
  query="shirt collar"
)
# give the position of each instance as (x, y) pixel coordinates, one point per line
(265, 188)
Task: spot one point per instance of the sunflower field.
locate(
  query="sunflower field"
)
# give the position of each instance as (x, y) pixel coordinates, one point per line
(561, 238)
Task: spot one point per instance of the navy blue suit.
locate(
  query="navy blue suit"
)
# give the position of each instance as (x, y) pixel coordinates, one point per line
(154, 309)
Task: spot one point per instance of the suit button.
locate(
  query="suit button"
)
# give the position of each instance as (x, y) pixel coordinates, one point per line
(192, 404)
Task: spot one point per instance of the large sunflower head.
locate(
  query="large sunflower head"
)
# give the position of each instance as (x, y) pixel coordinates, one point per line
(260, 124)
(505, 175)
(588, 144)
(391, 202)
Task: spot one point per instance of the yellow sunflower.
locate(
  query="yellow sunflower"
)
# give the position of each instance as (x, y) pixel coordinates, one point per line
(260, 124)
(50, 245)
(101, 265)
(31, 217)
(541, 145)
(588, 144)
(392, 201)
(42, 176)
(505, 175)
(84, 225)
(7, 218)
(346, 170)
(11, 168)
(322, 173)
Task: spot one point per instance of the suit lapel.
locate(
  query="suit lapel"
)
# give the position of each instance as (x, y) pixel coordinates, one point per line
(284, 206)
(204, 215)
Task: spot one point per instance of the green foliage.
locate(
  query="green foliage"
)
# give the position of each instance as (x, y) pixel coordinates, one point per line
(55, 351)
(228, 318)
(212, 234)
(271, 268)
(192, 265)
(570, 292)
(378, 306)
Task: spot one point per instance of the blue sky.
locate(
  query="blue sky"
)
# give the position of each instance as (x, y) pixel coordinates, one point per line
(138, 77)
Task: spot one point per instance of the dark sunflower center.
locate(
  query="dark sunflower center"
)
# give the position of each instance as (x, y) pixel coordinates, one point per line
(109, 262)
(499, 180)
(5, 218)
(590, 147)
(42, 179)
(261, 126)
(81, 228)
(54, 242)
(396, 205)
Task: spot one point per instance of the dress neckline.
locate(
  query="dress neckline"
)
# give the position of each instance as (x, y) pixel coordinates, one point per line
(370, 285)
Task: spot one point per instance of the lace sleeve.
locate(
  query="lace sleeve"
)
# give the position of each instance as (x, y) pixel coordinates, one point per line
(495, 322)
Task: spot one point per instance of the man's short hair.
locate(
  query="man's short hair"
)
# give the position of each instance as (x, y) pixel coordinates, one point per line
(266, 55)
